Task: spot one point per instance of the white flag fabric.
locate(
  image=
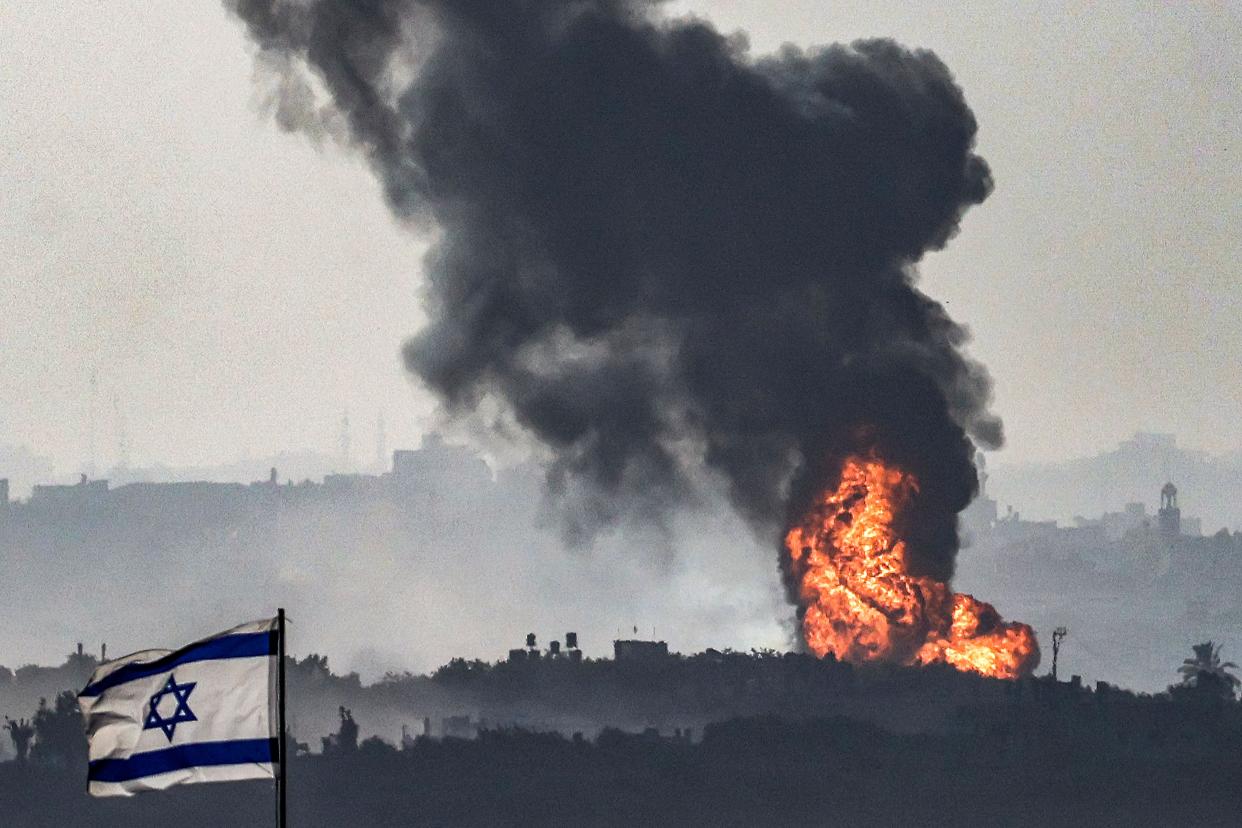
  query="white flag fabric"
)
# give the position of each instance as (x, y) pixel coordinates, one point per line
(204, 713)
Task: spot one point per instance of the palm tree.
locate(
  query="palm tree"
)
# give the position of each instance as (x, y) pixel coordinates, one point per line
(1206, 672)
(21, 732)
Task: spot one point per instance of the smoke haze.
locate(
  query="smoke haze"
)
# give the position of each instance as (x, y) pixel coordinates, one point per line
(380, 573)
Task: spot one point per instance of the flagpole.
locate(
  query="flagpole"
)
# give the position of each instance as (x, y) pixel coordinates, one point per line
(282, 777)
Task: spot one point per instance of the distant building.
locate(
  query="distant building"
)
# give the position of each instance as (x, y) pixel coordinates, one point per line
(980, 516)
(436, 464)
(452, 466)
(1116, 525)
(84, 491)
(458, 727)
(635, 650)
(1011, 525)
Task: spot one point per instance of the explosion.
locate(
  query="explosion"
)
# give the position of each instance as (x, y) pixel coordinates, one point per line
(860, 601)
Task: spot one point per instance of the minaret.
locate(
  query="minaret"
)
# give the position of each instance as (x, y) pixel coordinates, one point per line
(1169, 516)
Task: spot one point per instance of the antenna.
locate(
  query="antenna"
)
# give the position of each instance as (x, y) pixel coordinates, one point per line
(1058, 635)
(345, 442)
(381, 443)
(122, 436)
(90, 423)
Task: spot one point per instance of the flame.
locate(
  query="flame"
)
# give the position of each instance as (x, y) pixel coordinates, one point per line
(861, 603)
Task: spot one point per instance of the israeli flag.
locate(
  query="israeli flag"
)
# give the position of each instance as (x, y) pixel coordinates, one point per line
(204, 713)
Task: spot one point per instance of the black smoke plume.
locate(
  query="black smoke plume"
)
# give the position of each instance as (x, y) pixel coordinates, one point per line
(666, 258)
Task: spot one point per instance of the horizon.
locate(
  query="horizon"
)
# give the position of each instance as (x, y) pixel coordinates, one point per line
(359, 461)
(313, 464)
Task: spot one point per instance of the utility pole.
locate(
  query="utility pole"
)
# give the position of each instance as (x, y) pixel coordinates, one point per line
(91, 468)
(1058, 635)
(122, 434)
(381, 445)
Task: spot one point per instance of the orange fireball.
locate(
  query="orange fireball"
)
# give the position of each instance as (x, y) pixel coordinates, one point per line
(860, 602)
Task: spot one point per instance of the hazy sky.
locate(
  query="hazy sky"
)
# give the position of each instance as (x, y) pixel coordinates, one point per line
(236, 289)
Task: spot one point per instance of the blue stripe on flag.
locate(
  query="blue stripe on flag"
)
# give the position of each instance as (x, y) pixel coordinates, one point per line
(240, 645)
(200, 754)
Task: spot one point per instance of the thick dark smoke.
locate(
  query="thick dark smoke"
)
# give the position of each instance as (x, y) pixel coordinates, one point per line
(662, 255)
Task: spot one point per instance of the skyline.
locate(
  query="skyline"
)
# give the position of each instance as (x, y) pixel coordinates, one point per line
(417, 555)
(1150, 459)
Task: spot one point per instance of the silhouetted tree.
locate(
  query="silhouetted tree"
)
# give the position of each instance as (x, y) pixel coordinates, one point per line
(345, 740)
(377, 749)
(1207, 674)
(347, 737)
(59, 739)
(461, 669)
(21, 732)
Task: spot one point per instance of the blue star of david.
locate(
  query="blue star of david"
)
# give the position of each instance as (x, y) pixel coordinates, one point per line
(181, 713)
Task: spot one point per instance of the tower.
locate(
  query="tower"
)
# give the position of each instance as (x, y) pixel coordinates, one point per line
(381, 443)
(1058, 635)
(1169, 516)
